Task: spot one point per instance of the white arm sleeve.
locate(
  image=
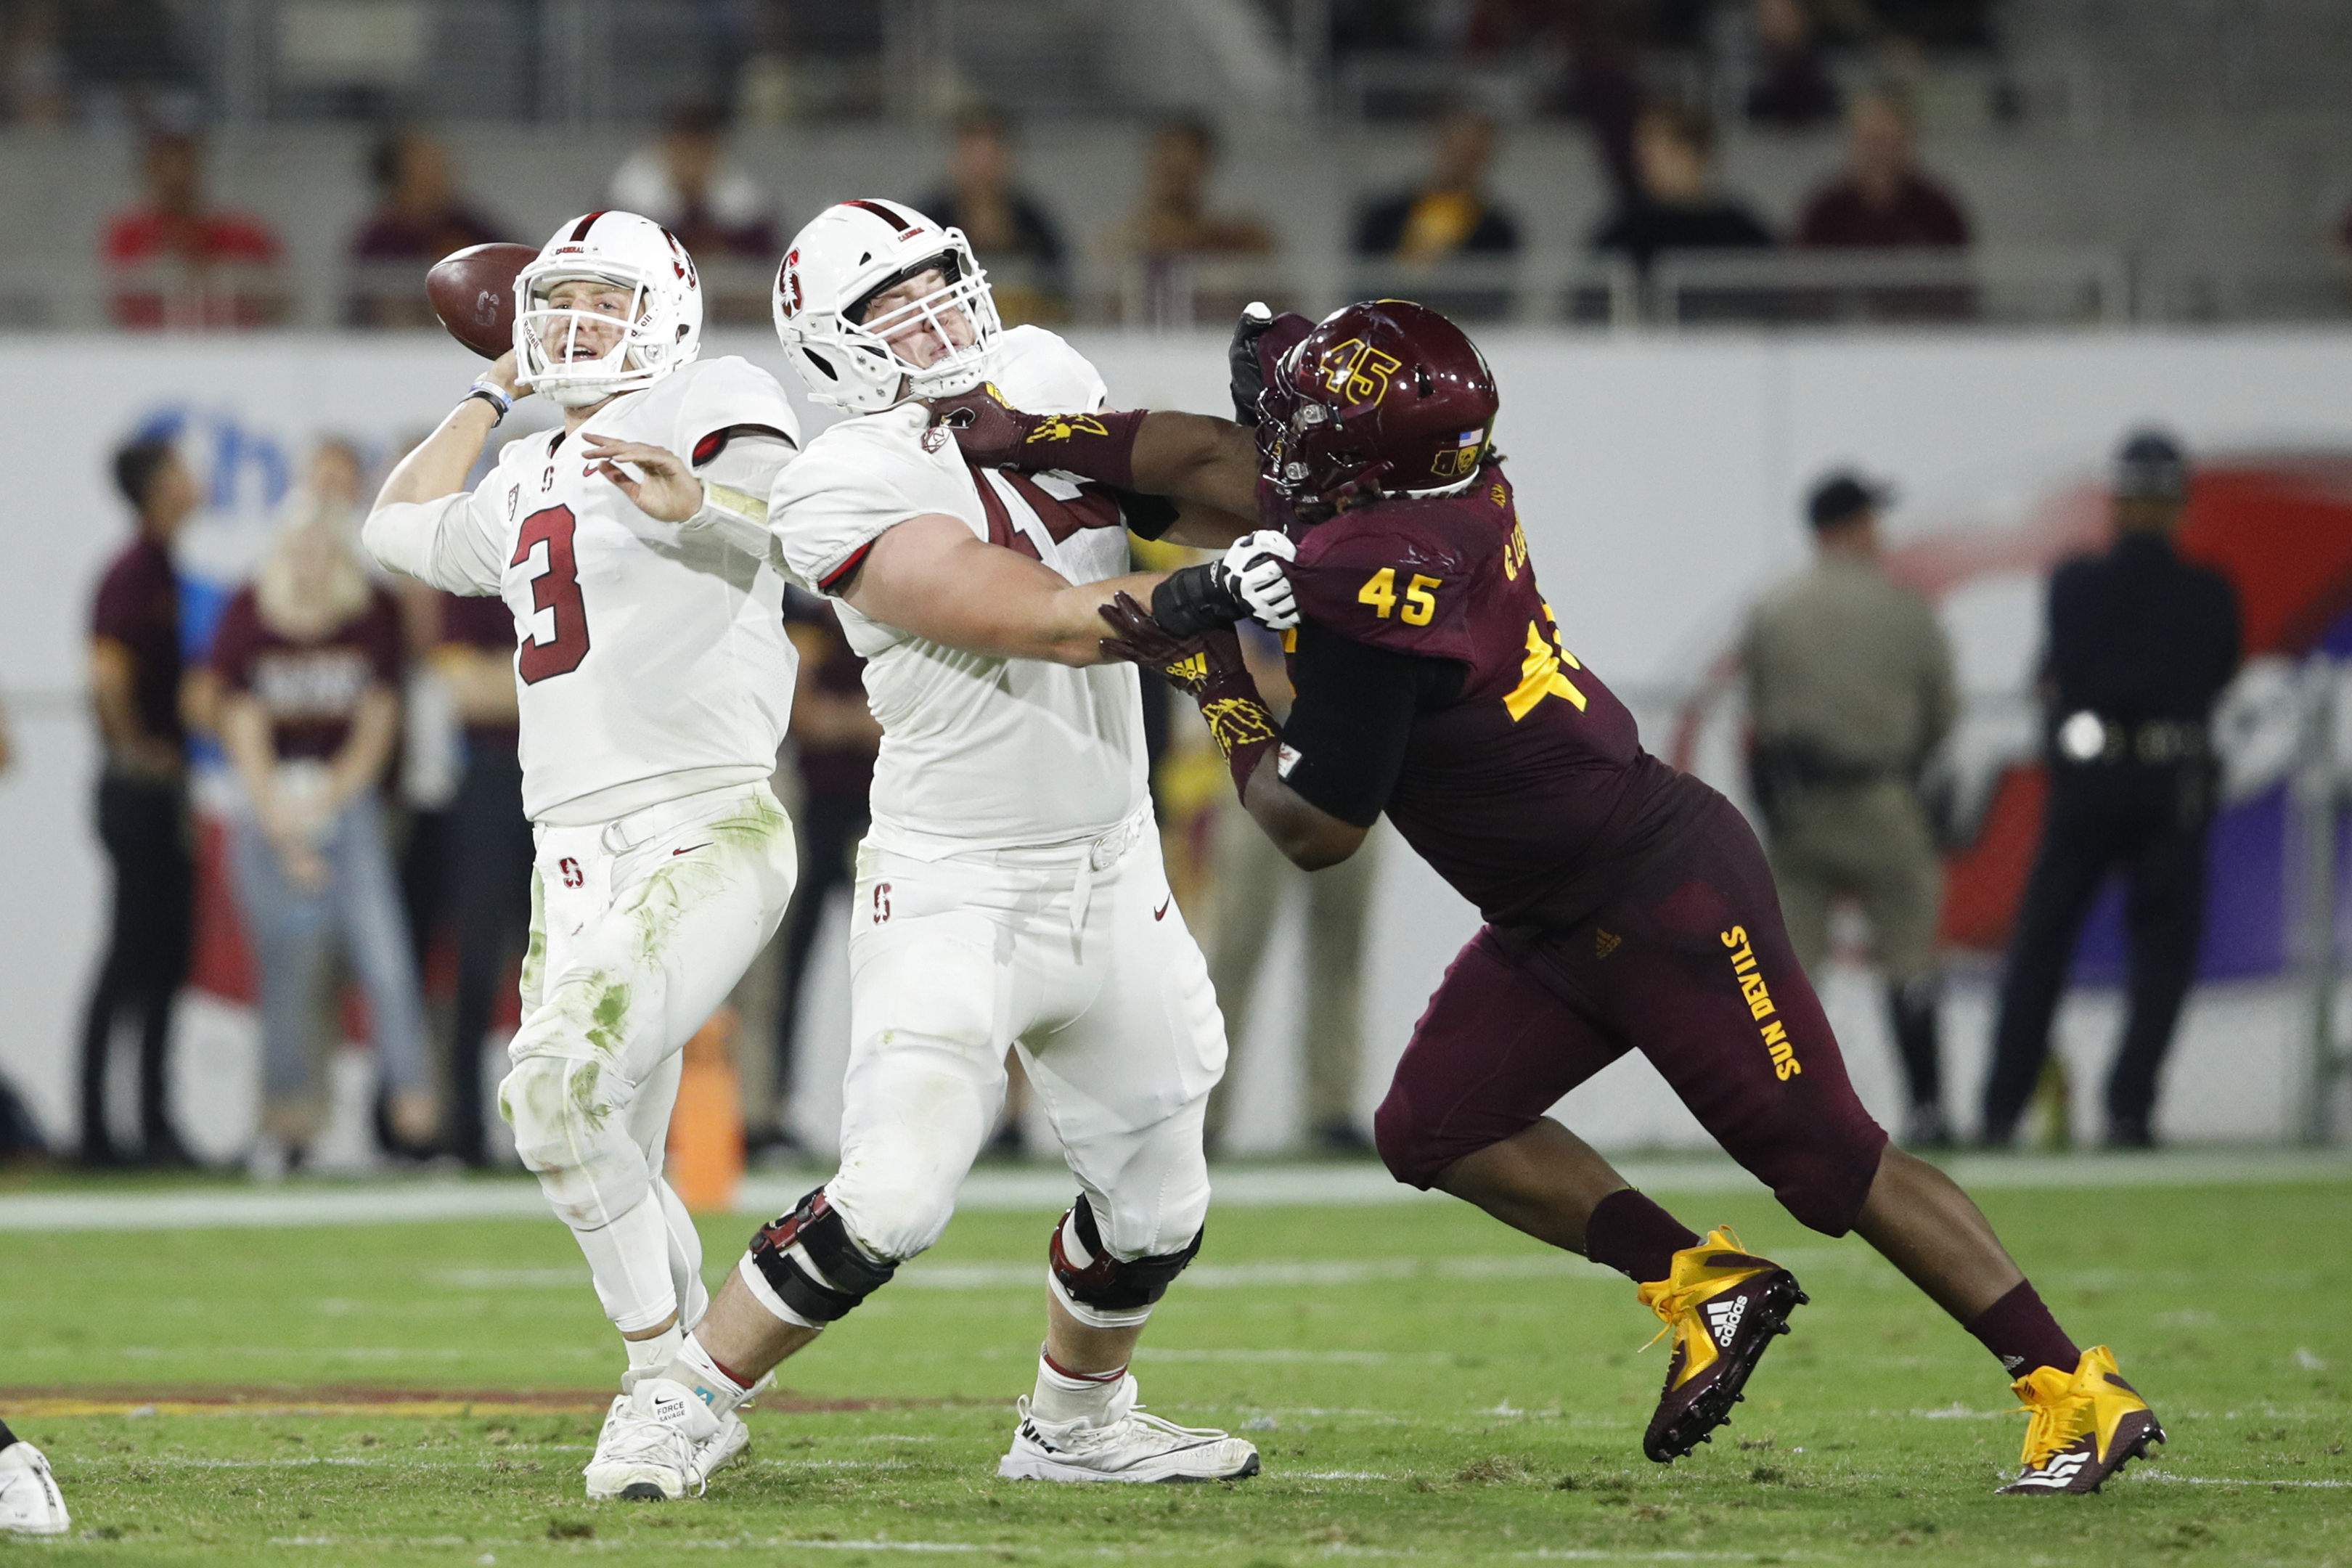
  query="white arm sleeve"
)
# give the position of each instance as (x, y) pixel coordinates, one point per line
(450, 544)
(735, 486)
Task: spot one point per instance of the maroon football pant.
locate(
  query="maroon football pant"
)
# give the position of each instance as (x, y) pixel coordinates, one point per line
(1692, 967)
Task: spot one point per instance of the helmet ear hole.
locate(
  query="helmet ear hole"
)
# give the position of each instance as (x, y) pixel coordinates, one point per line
(822, 363)
(1422, 381)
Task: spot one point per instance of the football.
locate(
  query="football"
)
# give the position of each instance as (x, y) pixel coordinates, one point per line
(472, 291)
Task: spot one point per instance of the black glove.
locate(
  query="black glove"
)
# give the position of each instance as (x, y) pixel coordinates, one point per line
(1195, 600)
(1245, 377)
(1260, 340)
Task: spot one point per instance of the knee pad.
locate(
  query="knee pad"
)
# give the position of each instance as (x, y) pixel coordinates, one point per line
(571, 1135)
(1104, 1291)
(814, 1266)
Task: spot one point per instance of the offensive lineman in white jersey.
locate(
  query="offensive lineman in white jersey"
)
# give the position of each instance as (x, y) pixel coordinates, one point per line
(1011, 892)
(656, 681)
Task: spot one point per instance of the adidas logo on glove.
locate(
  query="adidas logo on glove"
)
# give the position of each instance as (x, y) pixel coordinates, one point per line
(1723, 1319)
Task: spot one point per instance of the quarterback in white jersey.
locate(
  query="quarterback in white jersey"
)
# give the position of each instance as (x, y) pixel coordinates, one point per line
(654, 681)
(1011, 892)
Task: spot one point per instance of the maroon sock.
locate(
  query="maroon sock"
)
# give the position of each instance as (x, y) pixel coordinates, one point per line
(2020, 1330)
(1633, 1236)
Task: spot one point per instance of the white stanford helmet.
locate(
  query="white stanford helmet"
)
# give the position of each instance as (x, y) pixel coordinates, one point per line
(845, 256)
(664, 318)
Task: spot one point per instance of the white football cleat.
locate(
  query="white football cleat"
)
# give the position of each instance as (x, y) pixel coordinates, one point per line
(30, 1503)
(660, 1443)
(1131, 1446)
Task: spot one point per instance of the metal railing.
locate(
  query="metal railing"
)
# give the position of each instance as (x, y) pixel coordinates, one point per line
(1993, 286)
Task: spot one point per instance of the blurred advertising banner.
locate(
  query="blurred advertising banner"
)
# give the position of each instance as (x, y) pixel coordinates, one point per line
(1661, 477)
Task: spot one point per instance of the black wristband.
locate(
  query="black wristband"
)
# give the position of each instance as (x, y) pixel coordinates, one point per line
(498, 406)
(1196, 599)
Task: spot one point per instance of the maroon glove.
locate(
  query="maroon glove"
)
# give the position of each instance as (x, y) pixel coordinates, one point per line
(1209, 668)
(995, 435)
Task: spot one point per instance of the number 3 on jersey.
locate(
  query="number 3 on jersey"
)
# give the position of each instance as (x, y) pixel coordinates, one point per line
(555, 590)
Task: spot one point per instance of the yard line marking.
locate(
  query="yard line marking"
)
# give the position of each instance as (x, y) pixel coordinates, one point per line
(1344, 1357)
(1274, 1276)
(1331, 1476)
(2225, 1480)
(335, 1204)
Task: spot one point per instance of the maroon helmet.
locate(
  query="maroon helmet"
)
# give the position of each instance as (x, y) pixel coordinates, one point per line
(1385, 397)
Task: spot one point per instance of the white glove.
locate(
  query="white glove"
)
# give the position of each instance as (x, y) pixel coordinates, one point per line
(1254, 569)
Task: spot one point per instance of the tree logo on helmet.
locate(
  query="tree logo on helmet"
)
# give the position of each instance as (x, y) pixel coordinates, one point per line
(788, 282)
(681, 262)
(1358, 371)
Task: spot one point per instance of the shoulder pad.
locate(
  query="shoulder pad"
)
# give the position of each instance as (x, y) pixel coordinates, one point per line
(1040, 373)
(1394, 575)
(726, 393)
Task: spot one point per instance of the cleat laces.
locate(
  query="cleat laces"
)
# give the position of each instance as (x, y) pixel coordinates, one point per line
(641, 1441)
(1676, 1301)
(2047, 1408)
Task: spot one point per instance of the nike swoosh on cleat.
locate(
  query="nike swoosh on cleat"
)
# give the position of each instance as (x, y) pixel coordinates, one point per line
(688, 849)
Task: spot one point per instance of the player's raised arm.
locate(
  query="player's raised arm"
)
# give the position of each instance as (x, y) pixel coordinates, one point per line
(421, 525)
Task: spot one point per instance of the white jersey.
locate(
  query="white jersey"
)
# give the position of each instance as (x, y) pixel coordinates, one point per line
(651, 661)
(978, 751)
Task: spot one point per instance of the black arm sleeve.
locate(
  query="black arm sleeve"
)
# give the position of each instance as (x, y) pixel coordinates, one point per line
(1344, 742)
(1147, 517)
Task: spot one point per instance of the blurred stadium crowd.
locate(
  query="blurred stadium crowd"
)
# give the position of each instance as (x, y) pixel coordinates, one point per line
(256, 161)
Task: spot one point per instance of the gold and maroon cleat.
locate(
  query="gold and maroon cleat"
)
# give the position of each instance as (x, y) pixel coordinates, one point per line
(1723, 1306)
(2085, 1425)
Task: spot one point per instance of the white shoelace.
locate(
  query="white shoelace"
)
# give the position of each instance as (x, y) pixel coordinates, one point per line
(642, 1441)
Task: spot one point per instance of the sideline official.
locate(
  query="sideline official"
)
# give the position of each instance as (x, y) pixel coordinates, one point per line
(1850, 689)
(2141, 643)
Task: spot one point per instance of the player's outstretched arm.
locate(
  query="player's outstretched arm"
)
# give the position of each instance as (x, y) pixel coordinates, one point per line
(931, 575)
(1191, 458)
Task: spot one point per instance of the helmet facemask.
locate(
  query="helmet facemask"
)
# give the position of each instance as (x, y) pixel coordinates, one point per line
(648, 339)
(959, 315)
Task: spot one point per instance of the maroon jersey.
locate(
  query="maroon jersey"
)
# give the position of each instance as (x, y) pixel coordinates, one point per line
(1522, 779)
(311, 691)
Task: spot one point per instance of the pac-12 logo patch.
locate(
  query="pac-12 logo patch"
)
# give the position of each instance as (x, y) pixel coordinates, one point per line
(935, 439)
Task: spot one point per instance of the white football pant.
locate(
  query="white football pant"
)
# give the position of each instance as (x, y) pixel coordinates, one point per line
(1077, 955)
(640, 927)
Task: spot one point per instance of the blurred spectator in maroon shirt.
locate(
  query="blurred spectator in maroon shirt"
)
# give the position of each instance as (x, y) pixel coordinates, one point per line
(142, 800)
(179, 263)
(1882, 201)
(834, 738)
(685, 182)
(419, 217)
(1792, 91)
(488, 842)
(309, 662)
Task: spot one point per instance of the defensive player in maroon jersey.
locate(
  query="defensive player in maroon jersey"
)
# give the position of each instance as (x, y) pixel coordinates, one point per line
(1628, 906)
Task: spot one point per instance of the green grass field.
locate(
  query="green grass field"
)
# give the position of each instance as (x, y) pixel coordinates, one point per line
(1423, 1385)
